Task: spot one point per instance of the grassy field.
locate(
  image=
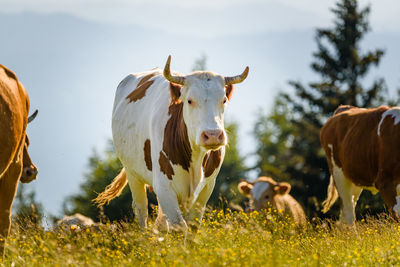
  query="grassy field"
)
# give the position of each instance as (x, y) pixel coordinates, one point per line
(230, 238)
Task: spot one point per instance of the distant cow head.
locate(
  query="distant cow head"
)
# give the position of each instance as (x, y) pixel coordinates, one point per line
(263, 192)
(204, 96)
(29, 170)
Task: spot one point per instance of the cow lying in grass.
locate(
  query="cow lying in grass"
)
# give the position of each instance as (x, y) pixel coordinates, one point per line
(266, 191)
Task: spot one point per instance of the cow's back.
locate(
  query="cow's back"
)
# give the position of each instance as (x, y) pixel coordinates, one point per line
(139, 116)
(14, 106)
(350, 139)
(291, 207)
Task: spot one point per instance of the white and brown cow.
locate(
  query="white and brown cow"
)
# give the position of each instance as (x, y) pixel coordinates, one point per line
(363, 152)
(168, 132)
(15, 163)
(266, 191)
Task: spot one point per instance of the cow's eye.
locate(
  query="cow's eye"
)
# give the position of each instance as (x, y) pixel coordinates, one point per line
(224, 100)
(190, 101)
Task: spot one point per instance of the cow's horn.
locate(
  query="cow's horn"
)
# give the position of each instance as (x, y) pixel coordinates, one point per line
(237, 79)
(167, 74)
(33, 116)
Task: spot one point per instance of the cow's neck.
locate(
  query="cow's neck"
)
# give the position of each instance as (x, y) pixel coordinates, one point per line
(198, 155)
(176, 143)
(197, 179)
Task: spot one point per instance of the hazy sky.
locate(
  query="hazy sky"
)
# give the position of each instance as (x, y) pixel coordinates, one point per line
(71, 55)
(207, 18)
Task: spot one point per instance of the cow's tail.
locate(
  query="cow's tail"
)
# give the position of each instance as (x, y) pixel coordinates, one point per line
(113, 190)
(331, 197)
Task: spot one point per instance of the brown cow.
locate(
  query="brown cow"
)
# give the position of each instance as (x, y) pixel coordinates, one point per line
(266, 190)
(15, 163)
(362, 149)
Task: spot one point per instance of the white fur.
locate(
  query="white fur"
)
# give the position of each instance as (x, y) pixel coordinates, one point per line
(396, 208)
(348, 192)
(207, 110)
(258, 189)
(184, 196)
(394, 112)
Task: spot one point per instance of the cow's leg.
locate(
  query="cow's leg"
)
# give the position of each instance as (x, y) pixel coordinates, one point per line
(168, 202)
(161, 220)
(139, 198)
(389, 194)
(196, 212)
(356, 194)
(8, 189)
(396, 207)
(388, 188)
(348, 194)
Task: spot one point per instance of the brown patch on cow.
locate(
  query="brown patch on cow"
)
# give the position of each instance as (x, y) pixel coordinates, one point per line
(165, 166)
(175, 90)
(140, 91)
(211, 162)
(147, 154)
(229, 91)
(176, 145)
(342, 108)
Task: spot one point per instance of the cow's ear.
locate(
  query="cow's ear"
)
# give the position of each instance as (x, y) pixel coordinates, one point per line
(282, 188)
(229, 91)
(175, 90)
(245, 188)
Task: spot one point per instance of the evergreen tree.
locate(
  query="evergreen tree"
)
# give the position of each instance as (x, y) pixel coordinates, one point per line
(342, 66)
(200, 63)
(274, 135)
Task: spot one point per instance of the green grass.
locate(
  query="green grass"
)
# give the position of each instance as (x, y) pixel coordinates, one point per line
(231, 239)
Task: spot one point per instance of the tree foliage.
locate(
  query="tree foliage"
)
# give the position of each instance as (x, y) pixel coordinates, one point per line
(200, 63)
(292, 129)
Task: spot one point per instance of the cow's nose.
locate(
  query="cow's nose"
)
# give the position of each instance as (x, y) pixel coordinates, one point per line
(213, 138)
(28, 174)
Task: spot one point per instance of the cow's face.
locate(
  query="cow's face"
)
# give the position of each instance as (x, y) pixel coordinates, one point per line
(204, 96)
(204, 100)
(262, 194)
(29, 170)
